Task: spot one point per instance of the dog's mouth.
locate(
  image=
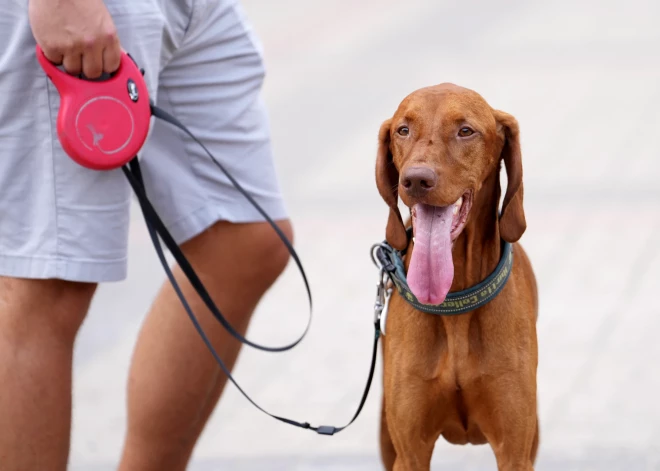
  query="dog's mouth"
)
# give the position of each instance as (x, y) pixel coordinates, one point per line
(435, 228)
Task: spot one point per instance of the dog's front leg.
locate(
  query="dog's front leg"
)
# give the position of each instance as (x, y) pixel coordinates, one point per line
(508, 419)
(518, 450)
(412, 421)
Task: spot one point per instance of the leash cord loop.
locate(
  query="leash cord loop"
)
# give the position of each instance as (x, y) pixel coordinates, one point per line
(157, 228)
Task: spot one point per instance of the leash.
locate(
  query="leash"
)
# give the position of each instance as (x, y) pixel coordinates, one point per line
(102, 124)
(134, 176)
(156, 228)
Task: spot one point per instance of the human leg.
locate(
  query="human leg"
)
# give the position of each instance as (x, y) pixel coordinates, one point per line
(212, 85)
(64, 229)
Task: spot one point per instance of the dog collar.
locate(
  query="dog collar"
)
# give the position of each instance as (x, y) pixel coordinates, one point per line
(391, 262)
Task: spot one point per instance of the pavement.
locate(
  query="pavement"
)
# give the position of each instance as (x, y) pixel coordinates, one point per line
(582, 80)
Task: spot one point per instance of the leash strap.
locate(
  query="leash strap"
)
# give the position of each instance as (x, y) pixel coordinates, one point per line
(185, 265)
(157, 228)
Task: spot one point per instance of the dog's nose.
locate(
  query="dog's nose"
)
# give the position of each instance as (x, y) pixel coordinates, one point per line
(417, 181)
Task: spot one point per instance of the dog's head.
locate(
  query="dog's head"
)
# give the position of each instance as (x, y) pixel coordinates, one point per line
(435, 153)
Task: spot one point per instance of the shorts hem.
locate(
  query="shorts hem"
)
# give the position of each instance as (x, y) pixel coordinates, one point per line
(204, 217)
(83, 271)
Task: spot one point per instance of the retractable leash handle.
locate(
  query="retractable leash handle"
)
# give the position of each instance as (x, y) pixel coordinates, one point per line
(102, 125)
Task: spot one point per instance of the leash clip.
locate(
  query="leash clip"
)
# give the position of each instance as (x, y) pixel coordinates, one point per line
(381, 296)
(385, 266)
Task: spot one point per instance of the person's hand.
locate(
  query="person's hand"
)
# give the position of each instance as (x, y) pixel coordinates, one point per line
(79, 34)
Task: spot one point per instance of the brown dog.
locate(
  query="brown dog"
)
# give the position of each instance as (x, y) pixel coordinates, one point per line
(471, 377)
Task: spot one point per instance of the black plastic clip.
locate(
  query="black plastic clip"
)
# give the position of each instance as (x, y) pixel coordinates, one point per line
(326, 430)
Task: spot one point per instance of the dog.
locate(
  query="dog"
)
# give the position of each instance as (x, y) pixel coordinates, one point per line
(470, 378)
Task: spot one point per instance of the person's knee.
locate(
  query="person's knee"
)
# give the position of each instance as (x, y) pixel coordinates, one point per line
(249, 257)
(37, 308)
(270, 248)
(263, 254)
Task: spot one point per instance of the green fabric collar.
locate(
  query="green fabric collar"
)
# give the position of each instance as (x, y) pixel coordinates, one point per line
(391, 262)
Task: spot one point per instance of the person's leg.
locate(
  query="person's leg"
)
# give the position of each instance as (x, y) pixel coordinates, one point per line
(174, 381)
(212, 85)
(63, 229)
(39, 320)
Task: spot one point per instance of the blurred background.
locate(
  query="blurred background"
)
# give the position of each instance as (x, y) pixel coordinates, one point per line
(582, 78)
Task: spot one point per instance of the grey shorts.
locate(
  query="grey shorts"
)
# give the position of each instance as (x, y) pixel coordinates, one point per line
(204, 65)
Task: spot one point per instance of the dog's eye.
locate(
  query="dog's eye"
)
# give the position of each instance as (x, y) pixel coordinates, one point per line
(465, 131)
(403, 131)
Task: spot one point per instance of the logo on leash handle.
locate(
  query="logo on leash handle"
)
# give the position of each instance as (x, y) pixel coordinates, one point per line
(101, 124)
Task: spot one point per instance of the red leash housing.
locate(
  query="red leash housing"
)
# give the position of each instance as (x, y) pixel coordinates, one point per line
(101, 124)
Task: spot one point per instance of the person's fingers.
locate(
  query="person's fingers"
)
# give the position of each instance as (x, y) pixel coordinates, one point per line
(73, 63)
(112, 56)
(53, 56)
(92, 61)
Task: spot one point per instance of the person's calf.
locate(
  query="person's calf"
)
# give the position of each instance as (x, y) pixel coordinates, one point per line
(39, 320)
(174, 382)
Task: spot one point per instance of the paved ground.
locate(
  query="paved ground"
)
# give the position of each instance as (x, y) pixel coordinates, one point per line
(582, 79)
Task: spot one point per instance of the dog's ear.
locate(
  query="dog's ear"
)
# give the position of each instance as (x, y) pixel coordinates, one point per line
(387, 181)
(512, 221)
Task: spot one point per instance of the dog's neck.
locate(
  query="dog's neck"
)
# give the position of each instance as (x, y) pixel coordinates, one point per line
(477, 249)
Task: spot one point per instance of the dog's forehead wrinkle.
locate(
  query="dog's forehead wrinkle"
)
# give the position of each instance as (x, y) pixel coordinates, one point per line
(436, 108)
(410, 112)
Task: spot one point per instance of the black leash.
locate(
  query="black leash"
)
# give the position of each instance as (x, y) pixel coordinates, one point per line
(157, 228)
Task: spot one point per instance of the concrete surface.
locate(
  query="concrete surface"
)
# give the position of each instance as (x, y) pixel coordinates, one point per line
(582, 79)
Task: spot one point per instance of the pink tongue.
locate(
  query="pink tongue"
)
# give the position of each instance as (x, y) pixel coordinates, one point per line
(431, 269)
